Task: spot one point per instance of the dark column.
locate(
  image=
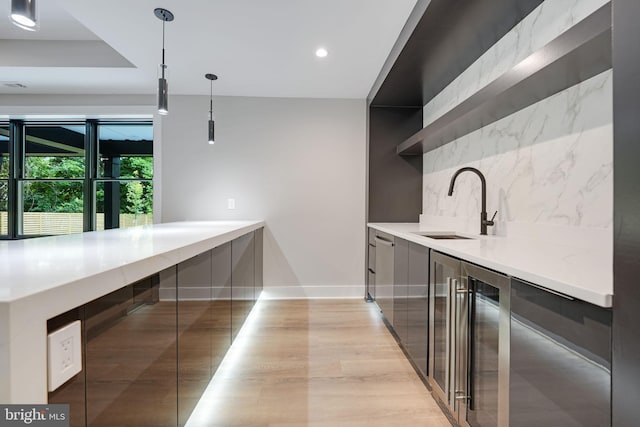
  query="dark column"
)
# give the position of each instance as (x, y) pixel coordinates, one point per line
(626, 209)
(112, 194)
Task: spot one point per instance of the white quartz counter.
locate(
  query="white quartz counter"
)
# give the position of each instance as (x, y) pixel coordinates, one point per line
(577, 272)
(41, 278)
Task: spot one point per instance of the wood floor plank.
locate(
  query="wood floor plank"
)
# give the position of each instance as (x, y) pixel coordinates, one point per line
(316, 363)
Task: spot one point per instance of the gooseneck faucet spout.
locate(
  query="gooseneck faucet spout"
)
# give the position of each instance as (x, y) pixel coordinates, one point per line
(483, 215)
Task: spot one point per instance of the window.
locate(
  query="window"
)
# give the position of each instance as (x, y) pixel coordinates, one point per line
(51, 188)
(74, 176)
(124, 191)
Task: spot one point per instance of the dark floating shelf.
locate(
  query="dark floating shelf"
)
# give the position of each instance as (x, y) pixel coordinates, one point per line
(578, 54)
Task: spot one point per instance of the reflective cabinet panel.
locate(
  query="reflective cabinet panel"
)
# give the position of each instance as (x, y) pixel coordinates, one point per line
(195, 331)
(400, 289)
(204, 323)
(484, 354)
(259, 263)
(221, 303)
(444, 274)
(131, 358)
(418, 305)
(560, 360)
(242, 280)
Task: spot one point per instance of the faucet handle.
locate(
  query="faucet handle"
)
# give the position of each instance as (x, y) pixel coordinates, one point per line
(490, 222)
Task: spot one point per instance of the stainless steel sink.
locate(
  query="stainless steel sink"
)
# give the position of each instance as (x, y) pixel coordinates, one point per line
(441, 235)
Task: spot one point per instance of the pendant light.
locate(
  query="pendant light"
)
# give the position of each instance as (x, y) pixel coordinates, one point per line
(212, 139)
(23, 14)
(163, 87)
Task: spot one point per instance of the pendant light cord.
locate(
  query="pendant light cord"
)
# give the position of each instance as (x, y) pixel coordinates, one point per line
(211, 100)
(163, 66)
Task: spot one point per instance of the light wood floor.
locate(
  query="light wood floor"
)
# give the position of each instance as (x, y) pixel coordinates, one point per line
(316, 363)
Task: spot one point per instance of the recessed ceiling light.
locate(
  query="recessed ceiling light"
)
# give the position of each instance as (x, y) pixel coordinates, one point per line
(321, 52)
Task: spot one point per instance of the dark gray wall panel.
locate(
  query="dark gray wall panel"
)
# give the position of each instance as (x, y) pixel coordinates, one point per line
(395, 182)
(626, 209)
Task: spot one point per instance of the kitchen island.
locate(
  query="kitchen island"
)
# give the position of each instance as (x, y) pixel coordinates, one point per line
(42, 278)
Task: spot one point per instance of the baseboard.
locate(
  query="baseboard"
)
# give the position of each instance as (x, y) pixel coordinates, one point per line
(313, 292)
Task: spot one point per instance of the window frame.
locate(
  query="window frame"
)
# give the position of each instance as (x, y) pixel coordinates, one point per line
(17, 158)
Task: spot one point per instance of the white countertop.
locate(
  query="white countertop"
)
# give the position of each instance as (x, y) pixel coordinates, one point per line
(41, 278)
(573, 271)
(32, 266)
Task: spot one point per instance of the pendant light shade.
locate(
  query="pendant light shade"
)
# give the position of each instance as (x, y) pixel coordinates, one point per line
(212, 125)
(163, 90)
(212, 132)
(163, 85)
(23, 14)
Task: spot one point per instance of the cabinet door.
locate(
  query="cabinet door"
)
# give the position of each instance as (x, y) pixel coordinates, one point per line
(418, 306)
(400, 288)
(560, 360)
(220, 303)
(444, 274)
(131, 358)
(195, 331)
(242, 280)
(371, 272)
(384, 276)
(259, 263)
(370, 294)
(482, 375)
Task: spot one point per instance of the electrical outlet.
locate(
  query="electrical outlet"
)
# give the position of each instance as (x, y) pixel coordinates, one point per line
(66, 347)
(64, 354)
(231, 203)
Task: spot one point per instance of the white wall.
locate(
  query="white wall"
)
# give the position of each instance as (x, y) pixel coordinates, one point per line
(299, 164)
(549, 167)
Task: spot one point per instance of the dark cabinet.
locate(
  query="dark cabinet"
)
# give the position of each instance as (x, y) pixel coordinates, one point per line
(384, 274)
(482, 347)
(370, 294)
(398, 279)
(418, 305)
(131, 358)
(391, 280)
(220, 303)
(400, 289)
(258, 259)
(504, 352)
(444, 273)
(151, 348)
(242, 280)
(560, 360)
(195, 322)
(204, 323)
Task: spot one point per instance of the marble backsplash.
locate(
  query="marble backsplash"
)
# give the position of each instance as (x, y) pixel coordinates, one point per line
(549, 169)
(546, 22)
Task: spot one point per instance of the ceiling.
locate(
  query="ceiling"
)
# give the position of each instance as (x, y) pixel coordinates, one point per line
(256, 47)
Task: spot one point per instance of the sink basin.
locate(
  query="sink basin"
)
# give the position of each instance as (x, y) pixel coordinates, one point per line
(441, 235)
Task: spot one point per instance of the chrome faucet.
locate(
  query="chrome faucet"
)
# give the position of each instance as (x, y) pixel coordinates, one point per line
(483, 215)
